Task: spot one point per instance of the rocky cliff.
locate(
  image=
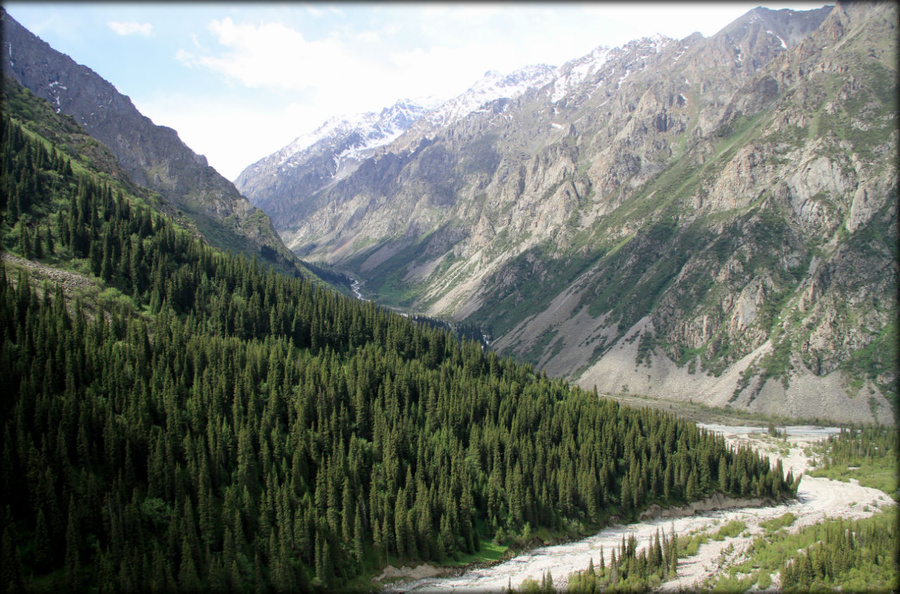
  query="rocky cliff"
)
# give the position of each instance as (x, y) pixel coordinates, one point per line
(153, 156)
(710, 219)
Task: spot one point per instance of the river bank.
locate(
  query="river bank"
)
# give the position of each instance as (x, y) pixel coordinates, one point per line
(817, 498)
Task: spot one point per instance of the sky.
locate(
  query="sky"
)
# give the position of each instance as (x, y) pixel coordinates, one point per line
(239, 81)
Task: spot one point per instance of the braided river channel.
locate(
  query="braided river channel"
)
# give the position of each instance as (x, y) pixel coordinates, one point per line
(817, 498)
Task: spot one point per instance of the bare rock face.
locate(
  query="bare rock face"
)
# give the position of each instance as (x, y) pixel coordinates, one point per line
(707, 219)
(153, 156)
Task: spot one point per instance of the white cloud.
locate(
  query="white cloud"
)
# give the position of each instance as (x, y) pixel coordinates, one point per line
(321, 11)
(369, 37)
(344, 72)
(231, 136)
(272, 56)
(131, 28)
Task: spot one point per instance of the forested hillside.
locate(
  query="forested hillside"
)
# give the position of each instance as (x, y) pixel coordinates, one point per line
(181, 418)
(153, 156)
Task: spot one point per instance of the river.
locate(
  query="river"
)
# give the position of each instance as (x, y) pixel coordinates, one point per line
(816, 499)
(355, 287)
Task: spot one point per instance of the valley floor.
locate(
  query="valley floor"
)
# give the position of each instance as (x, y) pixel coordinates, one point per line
(817, 499)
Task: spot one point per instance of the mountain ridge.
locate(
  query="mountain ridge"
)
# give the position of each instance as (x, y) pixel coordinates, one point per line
(318, 160)
(154, 156)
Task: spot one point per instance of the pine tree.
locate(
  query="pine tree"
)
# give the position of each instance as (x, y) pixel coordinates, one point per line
(73, 557)
(358, 539)
(42, 547)
(188, 579)
(11, 566)
(37, 246)
(547, 582)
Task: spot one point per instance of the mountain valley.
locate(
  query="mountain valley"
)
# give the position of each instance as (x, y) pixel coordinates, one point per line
(711, 220)
(176, 417)
(705, 229)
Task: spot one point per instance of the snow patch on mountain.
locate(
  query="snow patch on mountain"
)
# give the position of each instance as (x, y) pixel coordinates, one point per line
(368, 131)
(492, 86)
(575, 72)
(780, 39)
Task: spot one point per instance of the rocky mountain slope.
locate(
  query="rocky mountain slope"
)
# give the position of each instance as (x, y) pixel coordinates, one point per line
(711, 219)
(153, 156)
(313, 161)
(282, 183)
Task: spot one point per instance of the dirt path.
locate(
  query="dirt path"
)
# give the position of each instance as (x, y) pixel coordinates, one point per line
(817, 498)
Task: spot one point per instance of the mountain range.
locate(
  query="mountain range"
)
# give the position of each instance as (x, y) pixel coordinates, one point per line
(282, 183)
(704, 219)
(179, 417)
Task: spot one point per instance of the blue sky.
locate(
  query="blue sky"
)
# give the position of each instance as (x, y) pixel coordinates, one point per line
(239, 81)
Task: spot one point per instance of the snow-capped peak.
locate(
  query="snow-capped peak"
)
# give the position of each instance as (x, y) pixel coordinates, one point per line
(492, 86)
(370, 130)
(352, 135)
(573, 73)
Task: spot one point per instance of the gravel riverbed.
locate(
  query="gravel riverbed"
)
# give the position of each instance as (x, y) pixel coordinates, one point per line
(817, 498)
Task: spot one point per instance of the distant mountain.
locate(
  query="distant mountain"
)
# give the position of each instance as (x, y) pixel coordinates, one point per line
(153, 156)
(314, 161)
(491, 87)
(711, 219)
(281, 183)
